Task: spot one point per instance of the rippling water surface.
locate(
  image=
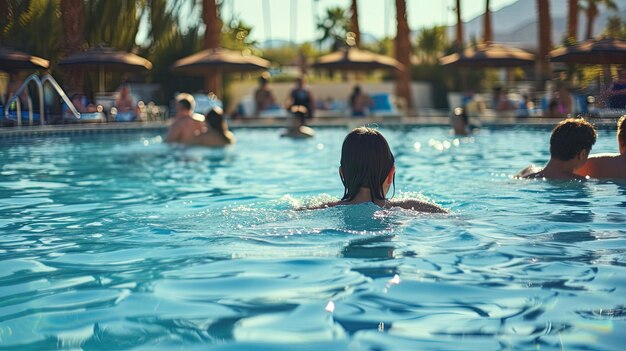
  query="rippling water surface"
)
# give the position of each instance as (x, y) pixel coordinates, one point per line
(124, 242)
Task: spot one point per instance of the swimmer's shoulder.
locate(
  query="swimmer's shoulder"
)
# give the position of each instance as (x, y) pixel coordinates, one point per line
(531, 172)
(416, 205)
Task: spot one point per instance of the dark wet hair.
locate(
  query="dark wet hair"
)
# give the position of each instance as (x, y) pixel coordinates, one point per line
(621, 130)
(366, 161)
(215, 121)
(570, 137)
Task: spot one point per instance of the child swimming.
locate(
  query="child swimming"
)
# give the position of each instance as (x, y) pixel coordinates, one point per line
(367, 172)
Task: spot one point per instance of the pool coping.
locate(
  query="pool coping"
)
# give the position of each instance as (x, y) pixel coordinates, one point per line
(131, 127)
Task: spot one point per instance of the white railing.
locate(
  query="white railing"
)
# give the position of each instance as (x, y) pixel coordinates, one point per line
(39, 83)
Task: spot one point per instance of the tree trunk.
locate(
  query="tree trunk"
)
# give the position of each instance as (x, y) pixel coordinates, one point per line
(213, 80)
(459, 26)
(73, 22)
(572, 20)
(542, 72)
(354, 23)
(6, 16)
(592, 12)
(403, 54)
(488, 30)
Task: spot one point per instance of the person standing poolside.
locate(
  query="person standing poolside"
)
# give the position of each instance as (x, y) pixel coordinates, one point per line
(263, 97)
(616, 93)
(367, 172)
(360, 102)
(187, 124)
(217, 134)
(608, 165)
(570, 144)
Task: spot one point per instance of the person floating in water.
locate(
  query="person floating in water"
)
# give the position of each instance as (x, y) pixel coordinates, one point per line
(570, 144)
(608, 165)
(217, 133)
(367, 172)
(297, 129)
(301, 102)
(460, 122)
(187, 124)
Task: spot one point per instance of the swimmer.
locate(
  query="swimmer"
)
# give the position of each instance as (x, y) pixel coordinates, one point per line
(297, 129)
(570, 144)
(217, 133)
(367, 172)
(187, 124)
(460, 122)
(608, 165)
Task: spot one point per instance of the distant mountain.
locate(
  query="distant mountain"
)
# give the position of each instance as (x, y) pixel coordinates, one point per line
(366, 39)
(274, 43)
(516, 24)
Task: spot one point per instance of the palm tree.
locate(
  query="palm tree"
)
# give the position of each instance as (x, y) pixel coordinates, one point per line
(354, 23)
(431, 42)
(545, 41)
(73, 24)
(403, 54)
(592, 11)
(334, 27)
(488, 31)
(572, 20)
(213, 80)
(6, 14)
(114, 23)
(459, 26)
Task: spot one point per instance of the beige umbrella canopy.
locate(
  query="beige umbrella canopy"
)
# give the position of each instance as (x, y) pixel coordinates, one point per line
(13, 60)
(353, 59)
(599, 52)
(105, 58)
(489, 55)
(223, 59)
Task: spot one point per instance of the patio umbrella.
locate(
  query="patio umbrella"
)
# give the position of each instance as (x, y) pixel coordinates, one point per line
(12, 60)
(219, 59)
(594, 52)
(105, 58)
(489, 55)
(354, 59)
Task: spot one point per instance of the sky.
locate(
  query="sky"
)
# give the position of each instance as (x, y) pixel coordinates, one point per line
(376, 17)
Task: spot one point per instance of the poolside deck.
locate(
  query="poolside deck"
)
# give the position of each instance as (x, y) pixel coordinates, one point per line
(129, 127)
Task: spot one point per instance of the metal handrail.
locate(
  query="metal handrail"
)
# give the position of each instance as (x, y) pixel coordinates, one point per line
(48, 78)
(33, 77)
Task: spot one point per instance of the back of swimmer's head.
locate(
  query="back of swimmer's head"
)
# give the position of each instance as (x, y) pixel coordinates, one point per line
(186, 101)
(570, 137)
(366, 162)
(215, 119)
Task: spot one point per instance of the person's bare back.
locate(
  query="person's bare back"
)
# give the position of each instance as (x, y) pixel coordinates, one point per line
(604, 166)
(186, 129)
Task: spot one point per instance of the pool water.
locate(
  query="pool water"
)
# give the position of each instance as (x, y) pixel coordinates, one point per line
(124, 242)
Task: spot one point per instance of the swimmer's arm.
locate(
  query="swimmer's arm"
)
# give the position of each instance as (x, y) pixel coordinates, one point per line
(417, 205)
(320, 206)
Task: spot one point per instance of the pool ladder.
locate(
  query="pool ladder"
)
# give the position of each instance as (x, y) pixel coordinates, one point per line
(39, 82)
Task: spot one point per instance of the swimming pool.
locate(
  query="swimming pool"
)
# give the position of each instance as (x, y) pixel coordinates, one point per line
(119, 241)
